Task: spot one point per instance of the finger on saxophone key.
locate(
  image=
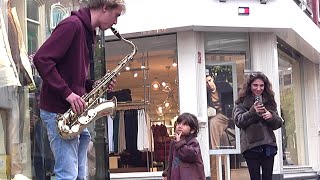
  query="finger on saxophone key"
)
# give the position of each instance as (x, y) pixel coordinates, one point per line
(112, 84)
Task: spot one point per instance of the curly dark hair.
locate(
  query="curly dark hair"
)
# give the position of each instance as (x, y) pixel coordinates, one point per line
(267, 92)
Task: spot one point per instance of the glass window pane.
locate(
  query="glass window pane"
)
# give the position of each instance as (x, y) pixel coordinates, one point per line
(226, 61)
(32, 37)
(293, 142)
(156, 84)
(32, 10)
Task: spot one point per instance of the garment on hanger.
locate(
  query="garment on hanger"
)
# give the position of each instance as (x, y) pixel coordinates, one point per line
(151, 139)
(121, 133)
(110, 133)
(131, 129)
(161, 142)
(143, 142)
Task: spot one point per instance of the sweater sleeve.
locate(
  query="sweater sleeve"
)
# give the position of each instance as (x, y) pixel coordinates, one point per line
(51, 53)
(244, 118)
(187, 152)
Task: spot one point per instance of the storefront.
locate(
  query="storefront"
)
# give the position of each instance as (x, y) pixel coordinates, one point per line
(177, 55)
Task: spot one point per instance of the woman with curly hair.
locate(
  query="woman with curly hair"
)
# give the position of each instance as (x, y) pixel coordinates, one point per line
(255, 113)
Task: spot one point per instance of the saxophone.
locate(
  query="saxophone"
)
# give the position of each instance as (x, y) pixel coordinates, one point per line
(71, 124)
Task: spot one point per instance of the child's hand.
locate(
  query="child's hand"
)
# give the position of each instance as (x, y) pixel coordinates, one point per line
(178, 136)
(164, 178)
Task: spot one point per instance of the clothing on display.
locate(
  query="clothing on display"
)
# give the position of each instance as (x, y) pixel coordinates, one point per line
(161, 142)
(110, 133)
(121, 132)
(130, 136)
(144, 137)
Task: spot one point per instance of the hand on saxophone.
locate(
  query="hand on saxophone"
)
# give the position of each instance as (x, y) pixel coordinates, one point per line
(111, 84)
(77, 103)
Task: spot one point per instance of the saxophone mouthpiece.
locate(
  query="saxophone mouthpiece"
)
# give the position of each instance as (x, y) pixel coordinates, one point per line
(115, 32)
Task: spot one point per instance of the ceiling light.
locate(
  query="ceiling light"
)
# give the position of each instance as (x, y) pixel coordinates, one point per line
(166, 87)
(167, 104)
(155, 85)
(163, 84)
(135, 74)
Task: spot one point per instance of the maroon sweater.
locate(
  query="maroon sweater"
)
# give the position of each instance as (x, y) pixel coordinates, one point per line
(63, 62)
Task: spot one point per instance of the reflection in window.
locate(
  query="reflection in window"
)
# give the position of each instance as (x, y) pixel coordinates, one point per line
(291, 111)
(32, 37)
(221, 49)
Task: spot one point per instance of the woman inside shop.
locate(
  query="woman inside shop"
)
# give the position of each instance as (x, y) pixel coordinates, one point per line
(255, 113)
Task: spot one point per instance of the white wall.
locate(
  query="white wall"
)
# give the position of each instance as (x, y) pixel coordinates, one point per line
(192, 83)
(311, 91)
(264, 58)
(284, 17)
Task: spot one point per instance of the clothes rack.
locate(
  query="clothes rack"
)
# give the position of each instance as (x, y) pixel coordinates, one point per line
(134, 105)
(131, 105)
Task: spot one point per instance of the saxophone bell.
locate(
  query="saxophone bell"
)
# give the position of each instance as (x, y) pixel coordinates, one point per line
(72, 129)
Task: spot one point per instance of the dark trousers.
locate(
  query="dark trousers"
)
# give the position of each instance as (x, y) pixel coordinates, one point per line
(43, 160)
(255, 160)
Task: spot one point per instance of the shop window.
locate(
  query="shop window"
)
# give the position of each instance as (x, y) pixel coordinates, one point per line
(226, 62)
(15, 124)
(293, 131)
(147, 87)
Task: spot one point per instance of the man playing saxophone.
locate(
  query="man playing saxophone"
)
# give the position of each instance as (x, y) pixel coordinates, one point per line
(62, 62)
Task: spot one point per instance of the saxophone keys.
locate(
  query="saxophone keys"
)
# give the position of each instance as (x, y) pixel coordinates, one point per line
(83, 120)
(63, 127)
(92, 113)
(75, 128)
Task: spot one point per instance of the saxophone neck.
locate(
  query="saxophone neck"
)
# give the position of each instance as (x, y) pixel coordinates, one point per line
(116, 33)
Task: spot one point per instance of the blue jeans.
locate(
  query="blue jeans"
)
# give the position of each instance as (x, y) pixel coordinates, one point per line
(70, 154)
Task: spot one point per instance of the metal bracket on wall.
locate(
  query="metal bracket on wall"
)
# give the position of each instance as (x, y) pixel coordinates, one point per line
(263, 1)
